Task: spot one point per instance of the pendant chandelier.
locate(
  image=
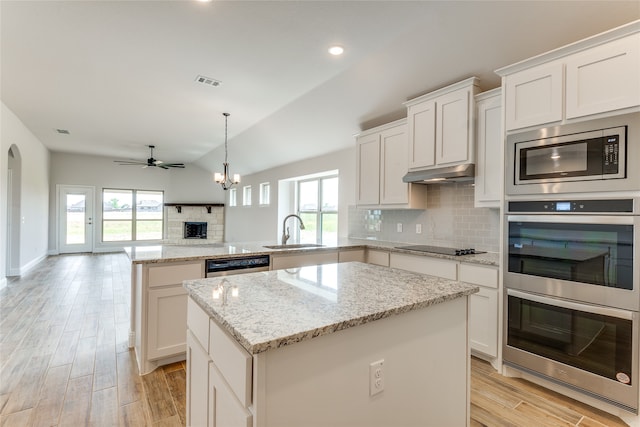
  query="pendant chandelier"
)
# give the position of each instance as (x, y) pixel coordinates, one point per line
(224, 178)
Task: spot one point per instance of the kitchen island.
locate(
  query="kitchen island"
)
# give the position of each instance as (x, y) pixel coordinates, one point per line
(339, 344)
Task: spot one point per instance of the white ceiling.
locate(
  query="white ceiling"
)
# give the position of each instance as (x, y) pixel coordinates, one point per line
(120, 75)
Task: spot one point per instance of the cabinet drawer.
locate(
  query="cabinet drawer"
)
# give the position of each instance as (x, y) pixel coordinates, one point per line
(484, 276)
(425, 265)
(356, 255)
(378, 257)
(174, 274)
(293, 261)
(233, 361)
(198, 322)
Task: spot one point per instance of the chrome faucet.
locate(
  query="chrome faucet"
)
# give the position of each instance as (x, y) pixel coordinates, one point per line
(285, 231)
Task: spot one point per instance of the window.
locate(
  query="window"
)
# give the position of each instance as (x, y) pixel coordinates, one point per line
(265, 190)
(318, 208)
(233, 197)
(246, 195)
(129, 215)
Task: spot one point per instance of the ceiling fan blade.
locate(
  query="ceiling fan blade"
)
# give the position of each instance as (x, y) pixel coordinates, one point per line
(162, 166)
(129, 162)
(174, 165)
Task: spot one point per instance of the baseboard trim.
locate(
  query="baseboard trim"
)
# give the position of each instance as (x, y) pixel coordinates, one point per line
(28, 266)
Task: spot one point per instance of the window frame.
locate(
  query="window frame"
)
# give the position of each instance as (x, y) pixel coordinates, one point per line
(265, 200)
(233, 197)
(246, 195)
(134, 215)
(320, 212)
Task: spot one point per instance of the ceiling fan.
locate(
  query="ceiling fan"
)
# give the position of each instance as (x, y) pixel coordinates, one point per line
(151, 162)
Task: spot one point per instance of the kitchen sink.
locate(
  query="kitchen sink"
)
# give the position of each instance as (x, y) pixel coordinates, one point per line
(294, 246)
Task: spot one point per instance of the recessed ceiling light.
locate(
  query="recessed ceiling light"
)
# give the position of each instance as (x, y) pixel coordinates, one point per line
(336, 50)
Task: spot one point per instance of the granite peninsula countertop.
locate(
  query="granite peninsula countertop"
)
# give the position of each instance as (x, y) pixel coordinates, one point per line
(171, 253)
(277, 308)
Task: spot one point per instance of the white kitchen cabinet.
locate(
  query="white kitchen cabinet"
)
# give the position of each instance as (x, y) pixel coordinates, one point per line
(594, 76)
(381, 163)
(368, 169)
(225, 410)
(279, 262)
(441, 126)
(426, 265)
(159, 323)
(198, 397)
(483, 308)
(378, 257)
(351, 255)
(167, 322)
(604, 78)
(534, 96)
(489, 158)
(421, 119)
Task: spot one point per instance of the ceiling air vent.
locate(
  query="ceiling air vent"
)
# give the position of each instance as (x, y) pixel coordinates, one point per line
(208, 81)
(63, 131)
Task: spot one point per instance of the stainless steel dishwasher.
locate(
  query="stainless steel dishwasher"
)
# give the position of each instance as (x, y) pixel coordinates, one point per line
(236, 265)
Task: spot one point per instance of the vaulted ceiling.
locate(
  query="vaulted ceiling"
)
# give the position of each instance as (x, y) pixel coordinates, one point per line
(120, 75)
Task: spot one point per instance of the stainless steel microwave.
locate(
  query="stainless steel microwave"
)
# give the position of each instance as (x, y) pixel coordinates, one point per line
(581, 157)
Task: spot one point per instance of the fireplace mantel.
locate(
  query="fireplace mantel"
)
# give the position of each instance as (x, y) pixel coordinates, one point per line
(179, 206)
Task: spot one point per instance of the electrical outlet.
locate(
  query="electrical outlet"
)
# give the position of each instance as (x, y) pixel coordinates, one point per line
(399, 227)
(376, 377)
(418, 228)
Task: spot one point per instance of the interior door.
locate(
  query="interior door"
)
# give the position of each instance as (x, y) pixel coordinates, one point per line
(75, 216)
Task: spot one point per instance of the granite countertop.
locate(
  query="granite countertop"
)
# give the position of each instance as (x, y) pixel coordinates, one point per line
(171, 253)
(277, 308)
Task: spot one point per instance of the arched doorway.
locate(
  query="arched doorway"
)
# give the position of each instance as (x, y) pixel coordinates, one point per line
(14, 176)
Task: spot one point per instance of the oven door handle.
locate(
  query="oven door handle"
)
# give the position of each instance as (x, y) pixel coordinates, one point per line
(570, 305)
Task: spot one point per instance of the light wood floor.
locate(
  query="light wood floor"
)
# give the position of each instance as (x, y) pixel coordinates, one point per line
(64, 360)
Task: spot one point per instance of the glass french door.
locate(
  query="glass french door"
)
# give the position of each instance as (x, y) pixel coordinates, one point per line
(75, 218)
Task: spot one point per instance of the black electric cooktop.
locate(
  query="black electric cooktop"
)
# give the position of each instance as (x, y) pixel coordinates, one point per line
(441, 250)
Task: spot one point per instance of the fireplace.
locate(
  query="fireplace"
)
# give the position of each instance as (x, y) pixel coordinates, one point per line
(195, 230)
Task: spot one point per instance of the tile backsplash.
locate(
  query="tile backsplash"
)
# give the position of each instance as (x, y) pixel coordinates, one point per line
(449, 220)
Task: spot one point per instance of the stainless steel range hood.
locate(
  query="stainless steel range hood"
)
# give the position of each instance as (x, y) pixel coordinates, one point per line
(455, 173)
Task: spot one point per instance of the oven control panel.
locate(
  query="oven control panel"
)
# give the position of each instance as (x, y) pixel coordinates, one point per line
(572, 206)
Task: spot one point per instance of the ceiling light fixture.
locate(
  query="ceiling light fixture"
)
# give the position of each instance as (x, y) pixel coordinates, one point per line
(224, 178)
(336, 50)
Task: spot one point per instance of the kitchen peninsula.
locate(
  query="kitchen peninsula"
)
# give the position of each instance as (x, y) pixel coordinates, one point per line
(336, 344)
(159, 302)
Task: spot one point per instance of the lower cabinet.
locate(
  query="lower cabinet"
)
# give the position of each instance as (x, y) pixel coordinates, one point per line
(167, 321)
(483, 308)
(279, 262)
(197, 383)
(425, 265)
(219, 375)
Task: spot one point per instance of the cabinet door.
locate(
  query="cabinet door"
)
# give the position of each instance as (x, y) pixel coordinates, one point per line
(378, 257)
(604, 78)
(489, 165)
(167, 326)
(425, 265)
(394, 152)
(534, 96)
(483, 321)
(368, 170)
(224, 408)
(197, 383)
(279, 262)
(421, 120)
(452, 128)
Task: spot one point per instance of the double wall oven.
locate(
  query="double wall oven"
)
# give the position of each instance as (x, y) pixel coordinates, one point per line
(571, 268)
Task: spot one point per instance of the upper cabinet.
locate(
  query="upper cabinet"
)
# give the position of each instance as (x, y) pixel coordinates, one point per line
(489, 164)
(604, 78)
(382, 154)
(441, 126)
(598, 75)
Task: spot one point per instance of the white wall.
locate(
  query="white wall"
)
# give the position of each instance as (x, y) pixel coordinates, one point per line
(34, 192)
(260, 223)
(192, 184)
